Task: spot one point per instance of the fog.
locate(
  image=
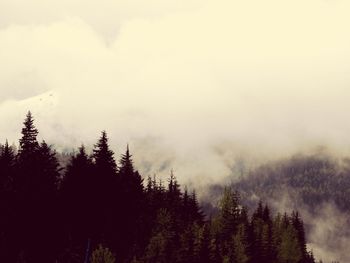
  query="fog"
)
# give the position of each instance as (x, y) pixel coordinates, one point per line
(190, 85)
(267, 76)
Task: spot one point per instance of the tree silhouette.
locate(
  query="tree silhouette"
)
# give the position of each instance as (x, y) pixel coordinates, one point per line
(35, 184)
(132, 193)
(28, 143)
(48, 215)
(104, 202)
(7, 166)
(7, 203)
(76, 199)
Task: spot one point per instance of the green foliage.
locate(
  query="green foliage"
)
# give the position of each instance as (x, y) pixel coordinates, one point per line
(102, 255)
(289, 250)
(308, 179)
(161, 246)
(240, 245)
(230, 214)
(46, 218)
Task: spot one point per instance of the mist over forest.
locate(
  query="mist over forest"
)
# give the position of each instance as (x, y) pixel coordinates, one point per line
(87, 207)
(314, 183)
(225, 133)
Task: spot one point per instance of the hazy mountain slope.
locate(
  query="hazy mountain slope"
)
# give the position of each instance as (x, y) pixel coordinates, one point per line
(317, 185)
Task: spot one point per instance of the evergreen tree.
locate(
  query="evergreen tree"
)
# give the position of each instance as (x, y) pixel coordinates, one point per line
(105, 194)
(186, 245)
(26, 186)
(131, 180)
(7, 166)
(102, 255)
(47, 218)
(191, 212)
(36, 185)
(230, 213)
(196, 215)
(7, 204)
(49, 169)
(299, 227)
(28, 143)
(103, 157)
(131, 185)
(289, 250)
(240, 245)
(161, 247)
(28, 162)
(261, 235)
(201, 245)
(174, 195)
(77, 195)
(226, 226)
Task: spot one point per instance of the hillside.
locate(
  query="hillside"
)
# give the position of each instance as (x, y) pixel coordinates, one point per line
(317, 185)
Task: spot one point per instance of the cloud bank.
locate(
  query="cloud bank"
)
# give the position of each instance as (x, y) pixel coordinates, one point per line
(203, 87)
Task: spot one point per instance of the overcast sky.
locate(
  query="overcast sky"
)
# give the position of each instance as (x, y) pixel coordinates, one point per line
(187, 82)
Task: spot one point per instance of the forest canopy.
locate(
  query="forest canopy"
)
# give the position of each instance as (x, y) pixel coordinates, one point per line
(98, 209)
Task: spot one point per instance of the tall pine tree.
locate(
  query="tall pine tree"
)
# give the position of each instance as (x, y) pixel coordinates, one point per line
(131, 189)
(7, 204)
(76, 201)
(36, 184)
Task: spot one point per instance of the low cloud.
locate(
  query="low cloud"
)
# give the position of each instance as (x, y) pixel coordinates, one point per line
(190, 85)
(196, 76)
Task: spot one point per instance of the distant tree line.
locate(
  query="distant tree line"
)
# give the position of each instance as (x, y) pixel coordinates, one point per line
(98, 210)
(309, 179)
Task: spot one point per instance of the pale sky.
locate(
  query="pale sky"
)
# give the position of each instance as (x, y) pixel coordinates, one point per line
(189, 84)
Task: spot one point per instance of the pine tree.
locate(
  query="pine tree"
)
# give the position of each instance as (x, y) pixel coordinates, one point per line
(7, 166)
(225, 226)
(195, 212)
(103, 157)
(186, 207)
(131, 180)
(261, 235)
(186, 245)
(299, 227)
(28, 143)
(289, 250)
(105, 193)
(78, 171)
(47, 218)
(126, 163)
(240, 245)
(77, 195)
(259, 212)
(131, 185)
(102, 255)
(174, 195)
(191, 212)
(28, 161)
(161, 247)
(35, 184)
(201, 246)
(230, 211)
(49, 169)
(7, 203)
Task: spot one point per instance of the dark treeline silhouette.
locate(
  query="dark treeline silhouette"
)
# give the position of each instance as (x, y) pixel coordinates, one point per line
(98, 210)
(311, 180)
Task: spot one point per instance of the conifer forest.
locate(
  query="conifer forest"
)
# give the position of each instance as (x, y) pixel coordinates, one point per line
(100, 209)
(174, 131)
